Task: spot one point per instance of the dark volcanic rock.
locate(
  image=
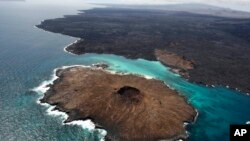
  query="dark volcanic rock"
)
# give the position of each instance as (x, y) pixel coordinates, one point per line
(220, 47)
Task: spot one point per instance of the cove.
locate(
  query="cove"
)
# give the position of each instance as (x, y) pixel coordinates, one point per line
(218, 106)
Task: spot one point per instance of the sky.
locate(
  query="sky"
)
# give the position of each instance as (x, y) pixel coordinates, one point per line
(243, 5)
(233, 4)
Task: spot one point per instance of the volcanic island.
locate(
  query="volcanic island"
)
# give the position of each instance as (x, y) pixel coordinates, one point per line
(128, 107)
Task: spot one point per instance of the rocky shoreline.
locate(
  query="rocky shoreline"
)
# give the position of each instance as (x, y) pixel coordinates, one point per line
(121, 104)
(218, 56)
(178, 64)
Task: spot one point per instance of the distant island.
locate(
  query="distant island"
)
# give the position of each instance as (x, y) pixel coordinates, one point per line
(129, 107)
(205, 49)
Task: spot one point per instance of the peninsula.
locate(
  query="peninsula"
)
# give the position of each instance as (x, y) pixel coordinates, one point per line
(129, 107)
(205, 49)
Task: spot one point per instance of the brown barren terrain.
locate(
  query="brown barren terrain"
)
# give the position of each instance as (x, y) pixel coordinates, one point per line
(179, 64)
(130, 108)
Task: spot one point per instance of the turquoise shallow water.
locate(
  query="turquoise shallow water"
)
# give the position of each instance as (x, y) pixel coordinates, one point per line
(28, 57)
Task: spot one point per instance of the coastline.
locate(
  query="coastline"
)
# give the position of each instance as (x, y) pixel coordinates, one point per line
(76, 123)
(65, 48)
(187, 79)
(51, 111)
(25, 118)
(210, 76)
(88, 124)
(47, 31)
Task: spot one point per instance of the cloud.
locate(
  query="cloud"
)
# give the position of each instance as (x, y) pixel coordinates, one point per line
(241, 2)
(235, 4)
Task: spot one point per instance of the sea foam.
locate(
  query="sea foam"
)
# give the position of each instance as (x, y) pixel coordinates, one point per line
(65, 48)
(44, 87)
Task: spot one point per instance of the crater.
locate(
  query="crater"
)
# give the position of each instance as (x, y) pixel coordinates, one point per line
(131, 94)
(127, 90)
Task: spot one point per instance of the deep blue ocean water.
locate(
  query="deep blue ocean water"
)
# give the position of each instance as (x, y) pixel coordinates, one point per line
(29, 55)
